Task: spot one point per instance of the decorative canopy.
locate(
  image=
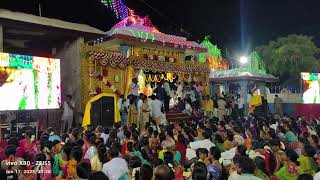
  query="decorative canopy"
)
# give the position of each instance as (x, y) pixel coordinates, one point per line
(137, 29)
(119, 61)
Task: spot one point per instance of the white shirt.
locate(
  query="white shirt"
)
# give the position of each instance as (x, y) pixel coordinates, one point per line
(206, 143)
(166, 87)
(67, 111)
(119, 104)
(115, 168)
(139, 105)
(156, 108)
(179, 90)
(316, 176)
(240, 103)
(134, 89)
(150, 106)
(104, 137)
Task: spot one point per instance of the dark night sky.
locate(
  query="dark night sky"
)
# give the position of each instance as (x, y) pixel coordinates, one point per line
(266, 19)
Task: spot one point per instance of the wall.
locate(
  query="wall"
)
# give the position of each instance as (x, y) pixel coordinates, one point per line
(289, 101)
(70, 71)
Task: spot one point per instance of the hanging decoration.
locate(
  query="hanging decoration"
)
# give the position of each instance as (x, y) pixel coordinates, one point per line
(111, 86)
(157, 66)
(160, 77)
(105, 59)
(102, 78)
(118, 7)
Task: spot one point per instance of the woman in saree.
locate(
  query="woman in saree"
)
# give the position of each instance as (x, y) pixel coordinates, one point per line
(290, 170)
(132, 114)
(28, 145)
(145, 115)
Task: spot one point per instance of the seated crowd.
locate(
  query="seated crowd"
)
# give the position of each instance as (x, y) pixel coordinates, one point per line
(257, 147)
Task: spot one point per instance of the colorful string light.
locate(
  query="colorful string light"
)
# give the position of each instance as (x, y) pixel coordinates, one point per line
(118, 7)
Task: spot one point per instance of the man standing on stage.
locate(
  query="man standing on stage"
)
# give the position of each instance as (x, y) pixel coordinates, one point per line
(134, 89)
(167, 98)
(67, 115)
(277, 105)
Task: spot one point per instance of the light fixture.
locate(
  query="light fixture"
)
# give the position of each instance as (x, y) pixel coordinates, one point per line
(243, 59)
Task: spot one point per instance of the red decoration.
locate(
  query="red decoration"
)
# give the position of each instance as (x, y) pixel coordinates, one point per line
(117, 93)
(108, 84)
(105, 72)
(99, 77)
(98, 90)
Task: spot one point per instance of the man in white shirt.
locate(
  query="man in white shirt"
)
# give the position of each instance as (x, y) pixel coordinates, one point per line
(116, 167)
(139, 105)
(134, 89)
(240, 103)
(156, 107)
(203, 143)
(67, 115)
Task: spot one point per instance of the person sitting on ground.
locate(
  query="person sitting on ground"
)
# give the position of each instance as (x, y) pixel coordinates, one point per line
(116, 167)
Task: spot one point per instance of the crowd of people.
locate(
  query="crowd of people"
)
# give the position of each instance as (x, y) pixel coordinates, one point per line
(188, 98)
(220, 144)
(249, 148)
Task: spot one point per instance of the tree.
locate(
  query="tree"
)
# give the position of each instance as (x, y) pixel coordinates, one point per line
(288, 56)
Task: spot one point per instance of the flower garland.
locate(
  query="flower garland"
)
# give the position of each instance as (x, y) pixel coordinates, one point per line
(104, 59)
(168, 67)
(109, 85)
(105, 82)
(134, 172)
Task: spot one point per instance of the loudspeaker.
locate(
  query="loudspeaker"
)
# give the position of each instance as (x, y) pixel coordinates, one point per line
(102, 112)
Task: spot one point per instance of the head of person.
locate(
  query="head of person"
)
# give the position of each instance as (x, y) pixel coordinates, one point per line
(146, 172)
(163, 172)
(202, 153)
(241, 150)
(305, 176)
(99, 129)
(102, 153)
(246, 165)
(308, 150)
(214, 153)
(134, 162)
(29, 135)
(292, 156)
(168, 157)
(98, 175)
(76, 153)
(127, 134)
(168, 144)
(68, 97)
(275, 145)
(83, 170)
(134, 80)
(10, 151)
(206, 134)
(113, 152)
(199, 171)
